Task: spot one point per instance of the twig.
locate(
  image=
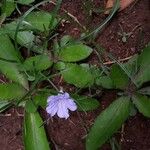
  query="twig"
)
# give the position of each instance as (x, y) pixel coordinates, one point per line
(122, 134)
(1, 81)
(120, 60)
(134, 3)
(53, 85)
(18, 114)
(70, 15)
(5, 115)
(2, 19)
(61, 79)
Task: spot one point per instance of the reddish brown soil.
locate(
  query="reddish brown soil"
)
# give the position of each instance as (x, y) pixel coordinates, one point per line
(11, 130)
(70, 134)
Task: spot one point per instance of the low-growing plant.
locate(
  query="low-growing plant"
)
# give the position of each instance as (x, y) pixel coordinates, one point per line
(32, 53)
(131, 80)
(26, 73)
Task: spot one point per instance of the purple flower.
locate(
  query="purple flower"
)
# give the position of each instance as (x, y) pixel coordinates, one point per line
(60, 104)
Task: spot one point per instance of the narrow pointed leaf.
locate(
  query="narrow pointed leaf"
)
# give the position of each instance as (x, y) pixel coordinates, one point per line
(108, 122)
(144, 91)
(143, 104)
(34, 133)
(4, 105)
(30, 106)
(75, 52)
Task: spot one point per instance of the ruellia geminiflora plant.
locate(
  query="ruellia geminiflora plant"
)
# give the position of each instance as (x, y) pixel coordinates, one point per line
(31, 53)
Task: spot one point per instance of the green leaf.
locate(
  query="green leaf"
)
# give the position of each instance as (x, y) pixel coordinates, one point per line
(11, 91)
(131, 65)
(85, 103)
(96, 71)
(87, 66)
(25, 2)
(143, 76)
(143, 59)
(144, 91)
(65, 39)
(41, 20)
(30, 107)
(142, 103)
(133, 110)
(74, 52)
(105, 82)
(115, 145)
(34, 133)
(118, 76)
(4, 105)
(41, 98)
(8, 6)
(12, 72)
(9, 69)
(38, 62)
(108, 122)
(144, 67)
(7, 50)
(60, 65)
(24, 38)
(77, 75)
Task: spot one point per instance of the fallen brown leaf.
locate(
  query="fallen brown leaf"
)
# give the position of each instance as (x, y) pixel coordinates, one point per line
(123, 4)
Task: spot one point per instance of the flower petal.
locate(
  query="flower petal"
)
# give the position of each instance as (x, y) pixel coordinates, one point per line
(62, 110)
(50, 98)
(71, 105)
(66, 95)
(52, 106)
(52, 109)
(60, 104)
